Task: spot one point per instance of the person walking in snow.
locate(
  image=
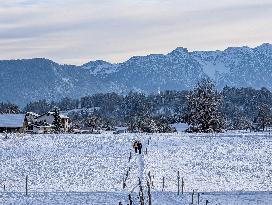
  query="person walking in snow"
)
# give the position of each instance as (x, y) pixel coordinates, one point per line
(139, 147)
(135, 146)
(6, 135)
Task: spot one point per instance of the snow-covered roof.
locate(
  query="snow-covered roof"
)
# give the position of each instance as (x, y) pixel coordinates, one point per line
(52, 113)
(12, 120)
(63, 116)
(33, 114)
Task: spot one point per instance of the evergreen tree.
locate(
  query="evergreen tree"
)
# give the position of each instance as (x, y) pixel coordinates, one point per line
(57, 120)
(9, 108)
(93, 123)
(240, 122)
(40, 107)
(202, 108)
(264, 116)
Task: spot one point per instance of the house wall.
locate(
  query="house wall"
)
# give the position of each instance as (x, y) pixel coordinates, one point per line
(41, 130)
(65, 124)
(38, 130)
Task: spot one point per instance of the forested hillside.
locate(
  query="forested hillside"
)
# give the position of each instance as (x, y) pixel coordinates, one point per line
(241, 107)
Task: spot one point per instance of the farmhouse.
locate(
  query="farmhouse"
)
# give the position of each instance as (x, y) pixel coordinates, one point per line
(32, 122)
(12, 123)
(47, 119)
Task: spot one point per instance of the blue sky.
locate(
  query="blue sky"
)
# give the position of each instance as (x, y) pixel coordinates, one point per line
(77, 31)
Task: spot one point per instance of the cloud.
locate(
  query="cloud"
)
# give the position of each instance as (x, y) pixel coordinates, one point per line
(76, 31)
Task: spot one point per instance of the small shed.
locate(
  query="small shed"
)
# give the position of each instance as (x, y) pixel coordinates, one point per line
(180, 127)
(120, 130)
(12, 123)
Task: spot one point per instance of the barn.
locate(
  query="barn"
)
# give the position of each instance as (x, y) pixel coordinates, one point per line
(12, 123)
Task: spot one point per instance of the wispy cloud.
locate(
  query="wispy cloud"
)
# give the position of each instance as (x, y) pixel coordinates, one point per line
(75, 31)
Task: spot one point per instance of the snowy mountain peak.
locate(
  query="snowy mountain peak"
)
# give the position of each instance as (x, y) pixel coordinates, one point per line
(179, 51)
(93, 64)
(236, 50)
(99, 67)
(96, 62)
(265, 48)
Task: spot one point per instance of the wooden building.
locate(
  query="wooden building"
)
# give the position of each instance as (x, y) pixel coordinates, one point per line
(11, 123)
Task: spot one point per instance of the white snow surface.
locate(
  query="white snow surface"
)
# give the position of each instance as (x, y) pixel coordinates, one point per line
(89, 169)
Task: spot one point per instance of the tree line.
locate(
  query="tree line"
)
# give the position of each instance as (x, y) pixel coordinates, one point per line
(204, 108)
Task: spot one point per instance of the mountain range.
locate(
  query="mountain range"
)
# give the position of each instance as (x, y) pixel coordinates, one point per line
(27, 80)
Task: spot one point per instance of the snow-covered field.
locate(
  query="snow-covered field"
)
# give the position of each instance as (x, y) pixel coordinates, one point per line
(89, 169)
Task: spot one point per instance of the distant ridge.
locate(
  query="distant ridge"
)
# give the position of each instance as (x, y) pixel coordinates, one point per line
(33, 79)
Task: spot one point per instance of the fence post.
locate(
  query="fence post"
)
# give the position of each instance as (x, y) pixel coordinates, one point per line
(182, 185)
(150, 179)
(130, 200)
(146, 150)
(4, 187)
(141, 193)
(207, 202)
(178, 182)
(129, 157)
(149, 193)
(124, 183)
(193, 196)
(26, 184)
(163, 184)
